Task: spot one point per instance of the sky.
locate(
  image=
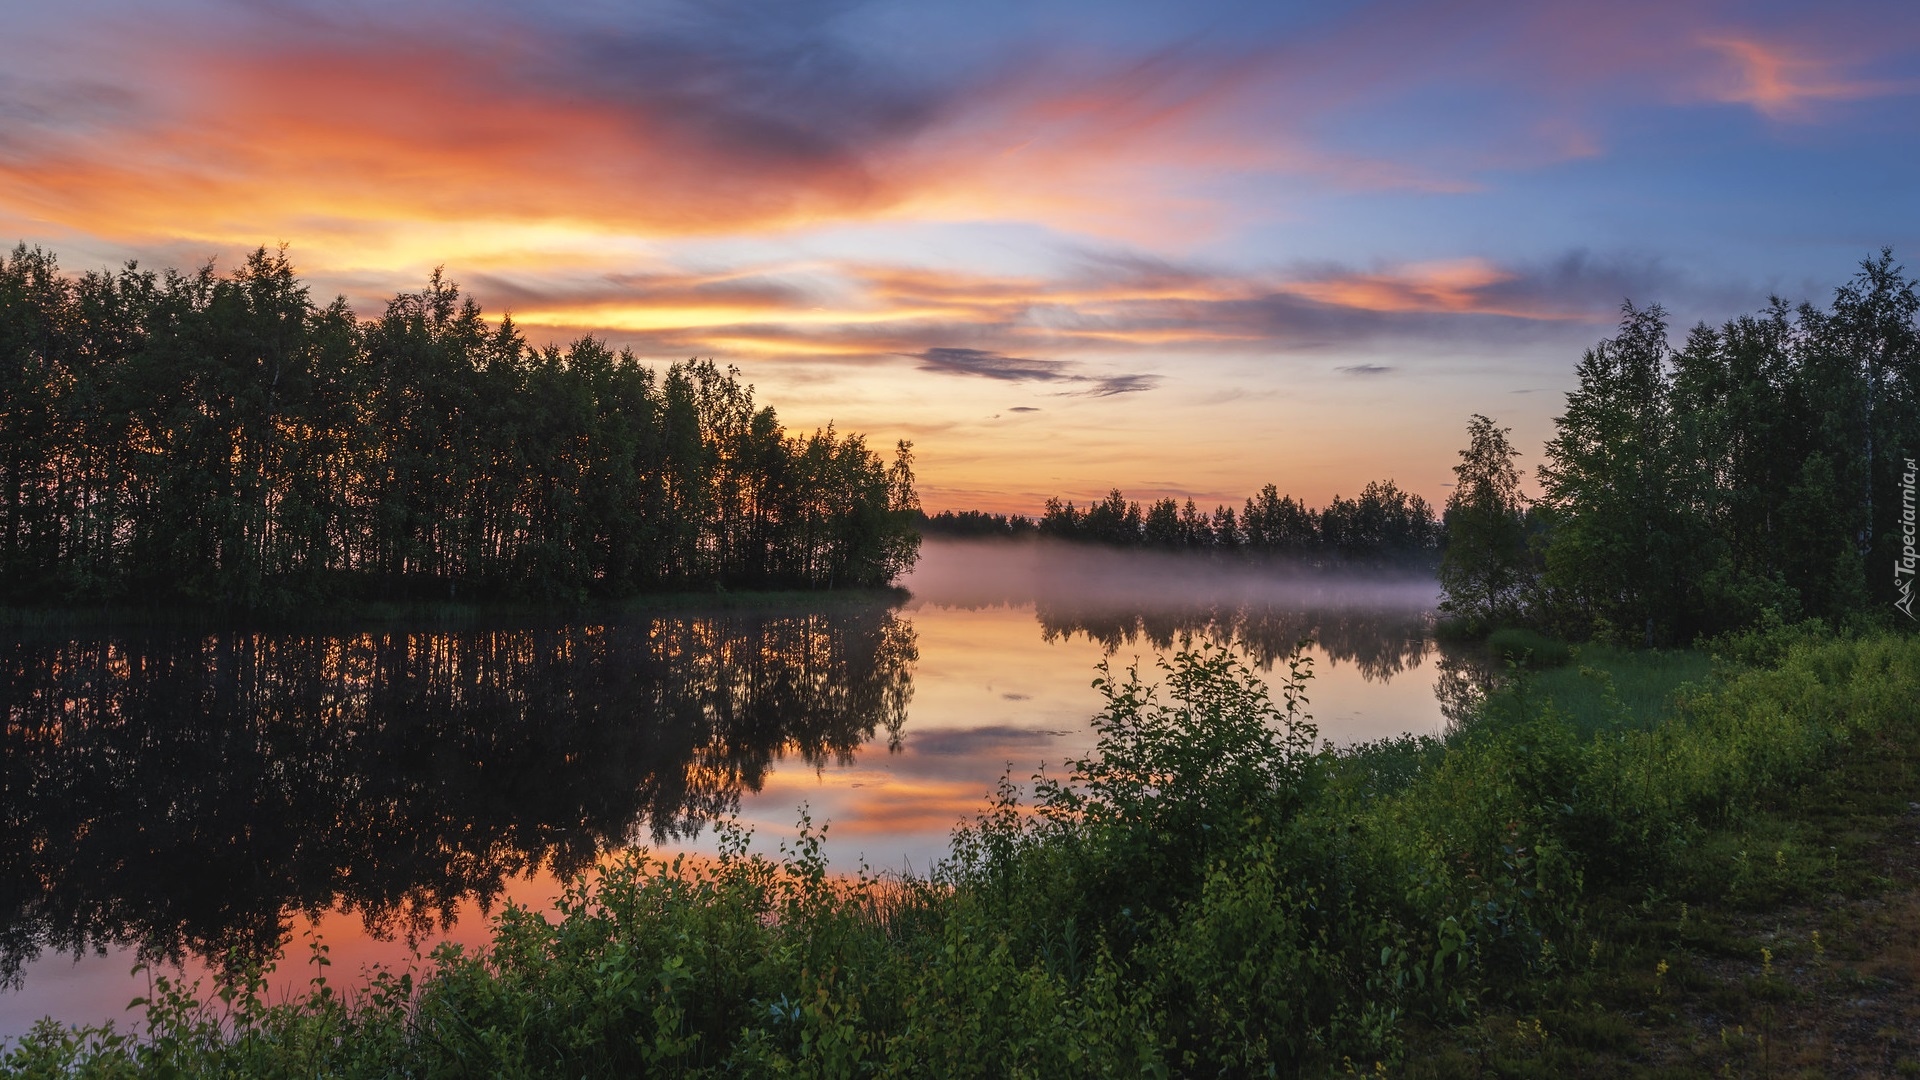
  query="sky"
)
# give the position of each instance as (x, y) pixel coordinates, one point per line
(1182, 249)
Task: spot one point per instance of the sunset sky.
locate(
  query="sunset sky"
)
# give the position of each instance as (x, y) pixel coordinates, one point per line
(1179, 248)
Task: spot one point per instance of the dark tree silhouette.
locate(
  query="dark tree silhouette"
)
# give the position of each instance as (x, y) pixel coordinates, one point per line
(222, 440)
(1385, 524)
(1483, 570)
(977, 524)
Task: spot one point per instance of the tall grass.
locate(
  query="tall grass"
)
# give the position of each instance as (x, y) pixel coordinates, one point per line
(1211, 891)
(1603, 687)
(1528, 648)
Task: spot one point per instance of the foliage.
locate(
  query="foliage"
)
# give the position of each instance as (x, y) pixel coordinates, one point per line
(1207, 893)
(1754, 471)
(1602, 686)
(1484, 571)
(198, 439)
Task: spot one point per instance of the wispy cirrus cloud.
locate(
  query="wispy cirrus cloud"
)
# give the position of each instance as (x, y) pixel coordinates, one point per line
(287, 119)
(1042, 328)
(990, 365)
(1785, 82)
(1458, 286)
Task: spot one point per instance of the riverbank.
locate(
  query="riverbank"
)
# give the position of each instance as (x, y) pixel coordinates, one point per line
(436, 614)
(1211, 889)
(1787, 948)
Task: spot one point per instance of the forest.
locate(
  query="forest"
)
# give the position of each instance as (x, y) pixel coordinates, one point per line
(1762, 471)
(210, 440)
(1383, 523)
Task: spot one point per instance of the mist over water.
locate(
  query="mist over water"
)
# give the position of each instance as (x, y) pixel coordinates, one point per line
(1379, 619)
(1093, 578)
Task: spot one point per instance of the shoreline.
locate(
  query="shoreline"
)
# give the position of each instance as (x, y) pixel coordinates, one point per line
(17, 622)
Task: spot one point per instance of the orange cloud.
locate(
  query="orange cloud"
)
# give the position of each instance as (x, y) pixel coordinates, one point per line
(410, 136)
(1782, 83)
(1447, 286)
(1456, 287)
(379, 135)
(1026, 322)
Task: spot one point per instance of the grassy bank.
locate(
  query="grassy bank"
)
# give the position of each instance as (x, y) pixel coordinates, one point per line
(1211, 892)
(1597, 688)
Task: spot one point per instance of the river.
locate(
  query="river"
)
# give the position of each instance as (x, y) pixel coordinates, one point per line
(185, 797)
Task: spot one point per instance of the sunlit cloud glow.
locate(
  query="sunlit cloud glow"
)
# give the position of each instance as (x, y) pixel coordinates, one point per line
(931, 221)
(1783, 83)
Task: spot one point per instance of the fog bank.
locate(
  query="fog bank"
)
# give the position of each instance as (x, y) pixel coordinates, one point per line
(1091, 578)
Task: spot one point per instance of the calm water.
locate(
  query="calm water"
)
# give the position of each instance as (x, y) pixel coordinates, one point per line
(183, 797)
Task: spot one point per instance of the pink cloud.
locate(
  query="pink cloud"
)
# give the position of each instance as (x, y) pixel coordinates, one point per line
(1785, 82)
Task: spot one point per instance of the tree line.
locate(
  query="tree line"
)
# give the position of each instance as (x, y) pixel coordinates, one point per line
(223, 440)
(977, 524)
(1756, 471)
(1384, 522)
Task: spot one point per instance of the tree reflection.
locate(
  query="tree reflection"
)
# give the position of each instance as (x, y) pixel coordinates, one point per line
(189, 795)
(1382, 643)
(1465, 678)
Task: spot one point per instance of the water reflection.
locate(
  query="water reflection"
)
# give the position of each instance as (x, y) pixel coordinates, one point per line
(1466, 676)
(1378, 620)
(189, 795)
(183, 796)
(1381, 644)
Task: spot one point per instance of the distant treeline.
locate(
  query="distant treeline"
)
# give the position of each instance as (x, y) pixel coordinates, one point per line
(1384, 522)
(1762, 470)
(977, 524)
(223, 440)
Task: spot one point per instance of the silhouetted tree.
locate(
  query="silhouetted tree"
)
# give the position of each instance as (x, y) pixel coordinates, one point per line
(1484, 568)
(223, 440)
(978, 524)
(1618, 498)
(1161, 527)
(1385, 524)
